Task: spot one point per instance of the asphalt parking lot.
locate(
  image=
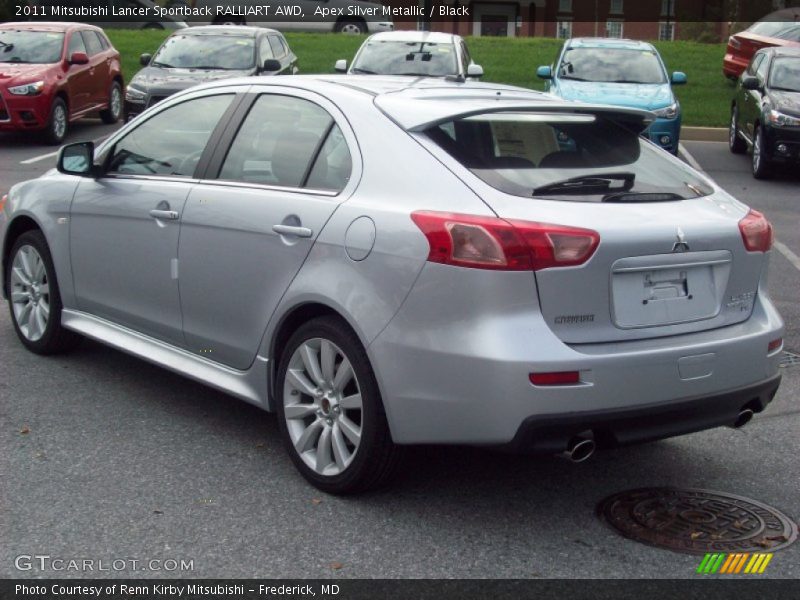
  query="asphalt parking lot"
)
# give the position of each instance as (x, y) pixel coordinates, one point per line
(103, 456)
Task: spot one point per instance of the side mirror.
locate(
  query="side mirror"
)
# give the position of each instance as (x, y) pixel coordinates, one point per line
(271, 65)
(678, 78)
(144, 59)
(340, 66)
(79, 58)
(474, 71)
(544, 72)
(77, 159)
(750, 82)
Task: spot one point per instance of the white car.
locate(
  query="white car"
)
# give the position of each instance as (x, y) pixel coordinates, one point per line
(343, 16)
(424, 53)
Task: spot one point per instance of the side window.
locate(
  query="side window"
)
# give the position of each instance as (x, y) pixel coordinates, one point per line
(277, 48)
(93, 45)
(761, 70)
(75, 44)
(104, 41)
(751, 69)
(466, 59)
(288, 142)
(264, 51)
(171, 142)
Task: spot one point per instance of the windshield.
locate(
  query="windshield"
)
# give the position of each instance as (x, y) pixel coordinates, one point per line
(206, 52)
(785, 74)
(612, 65)
(574, 157)
(406, 58)
(41, 47)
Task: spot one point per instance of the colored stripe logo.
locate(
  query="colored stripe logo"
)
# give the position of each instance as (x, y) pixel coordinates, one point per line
(734, 564)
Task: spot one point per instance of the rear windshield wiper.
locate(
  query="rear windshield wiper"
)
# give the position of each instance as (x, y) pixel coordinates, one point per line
(588, 184)
(642, 197)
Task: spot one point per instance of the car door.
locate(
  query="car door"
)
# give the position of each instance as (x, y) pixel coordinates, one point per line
(752, 98)
(98, 69)
(124, 224)
(248, 227)
(79, 78)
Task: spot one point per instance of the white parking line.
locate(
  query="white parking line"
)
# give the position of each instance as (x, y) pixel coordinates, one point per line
(779, 246)
(30, 161)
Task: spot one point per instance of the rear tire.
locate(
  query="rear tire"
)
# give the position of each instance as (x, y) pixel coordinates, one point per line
(351, 27)
(34, 298)
(736, 144)
(330, 411)
(58, 123)
(114, 111)
(761, 166)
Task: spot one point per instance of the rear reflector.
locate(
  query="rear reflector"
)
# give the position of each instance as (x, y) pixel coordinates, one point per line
(559, 378)
(494, 243)
(774, 345)
(756, 232)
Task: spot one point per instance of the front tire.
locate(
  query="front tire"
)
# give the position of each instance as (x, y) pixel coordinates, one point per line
(761, 166)
(34, 297)
(330, 411)
(114, 111)
(351, 27)
(736, 144)
(58, 124)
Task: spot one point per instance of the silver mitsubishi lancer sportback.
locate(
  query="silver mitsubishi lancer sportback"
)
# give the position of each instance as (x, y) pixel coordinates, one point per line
(391, 261)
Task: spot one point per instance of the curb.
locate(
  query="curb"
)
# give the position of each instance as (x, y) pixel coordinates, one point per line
(704, 134)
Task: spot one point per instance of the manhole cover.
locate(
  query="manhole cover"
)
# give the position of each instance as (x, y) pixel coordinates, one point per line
(697, 521)
(789, 359)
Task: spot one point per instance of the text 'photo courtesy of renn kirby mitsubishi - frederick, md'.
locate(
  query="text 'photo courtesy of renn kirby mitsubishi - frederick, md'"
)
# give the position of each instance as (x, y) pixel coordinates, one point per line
(399, 299)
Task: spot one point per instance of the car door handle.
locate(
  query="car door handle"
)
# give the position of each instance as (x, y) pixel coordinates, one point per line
(169, 215)
(295, 230)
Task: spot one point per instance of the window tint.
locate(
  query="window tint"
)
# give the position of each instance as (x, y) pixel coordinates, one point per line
(278, 141)
(93, 45)
(277, 47)
(524, 154)
(75, 44)
(171, 142)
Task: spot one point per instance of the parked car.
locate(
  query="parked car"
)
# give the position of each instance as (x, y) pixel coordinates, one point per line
(341, 16)
(547, 280)
(425, 53)
(781, 28)
(765, 112)
(200, 54)
(623, 73)
(55, 73)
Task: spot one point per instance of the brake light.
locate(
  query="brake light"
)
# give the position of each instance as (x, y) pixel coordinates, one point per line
(494, 243)
(734, 42)
(3, 202)
(774, 345)
(756, 232)
(556, 378)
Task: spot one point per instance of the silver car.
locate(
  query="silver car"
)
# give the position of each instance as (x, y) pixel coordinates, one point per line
(394, 261)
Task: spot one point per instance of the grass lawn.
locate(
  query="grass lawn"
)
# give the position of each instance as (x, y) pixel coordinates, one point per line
(705, 99)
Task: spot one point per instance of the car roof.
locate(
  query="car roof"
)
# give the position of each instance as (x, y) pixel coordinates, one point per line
(593, 42)
(434, 37)
(235, 30)
(416, 103)
(47, 26)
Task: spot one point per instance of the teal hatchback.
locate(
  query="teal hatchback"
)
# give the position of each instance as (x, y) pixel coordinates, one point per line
(623, 73)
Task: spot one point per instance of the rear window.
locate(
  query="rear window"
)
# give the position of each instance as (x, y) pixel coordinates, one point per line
(574, 157)
(782, 30)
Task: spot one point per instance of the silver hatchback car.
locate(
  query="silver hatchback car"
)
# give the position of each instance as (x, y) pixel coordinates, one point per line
(393, 261)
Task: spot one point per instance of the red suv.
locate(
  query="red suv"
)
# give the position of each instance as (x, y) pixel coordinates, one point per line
(54, 73)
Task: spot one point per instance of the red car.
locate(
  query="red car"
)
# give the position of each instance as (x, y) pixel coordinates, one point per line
(54, 73)
(781, 28)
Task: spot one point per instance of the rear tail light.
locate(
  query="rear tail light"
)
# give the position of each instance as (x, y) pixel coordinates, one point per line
(494, 243)
(3, 202)
(734, 42)
(557, 378)
(774, 345)
(756, 232)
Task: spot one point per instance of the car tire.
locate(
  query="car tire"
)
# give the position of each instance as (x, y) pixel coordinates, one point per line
(760, 162)
(58, 123)
(34, 299)
(114, 111)
(152, 25)
(351, 27)
(735, 142)
(331, 416)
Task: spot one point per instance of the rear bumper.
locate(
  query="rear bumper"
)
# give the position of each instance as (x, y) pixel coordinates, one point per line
(612, 428)
(733, 65)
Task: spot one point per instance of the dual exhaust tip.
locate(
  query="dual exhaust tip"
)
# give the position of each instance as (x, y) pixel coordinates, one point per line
(581, 447)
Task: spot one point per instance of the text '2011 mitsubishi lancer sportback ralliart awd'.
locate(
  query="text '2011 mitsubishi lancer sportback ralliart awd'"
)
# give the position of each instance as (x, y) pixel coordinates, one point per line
(394, 261)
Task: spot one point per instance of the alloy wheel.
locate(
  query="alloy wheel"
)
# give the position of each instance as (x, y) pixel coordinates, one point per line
(59, 121)
(30, 293)
(116, 102)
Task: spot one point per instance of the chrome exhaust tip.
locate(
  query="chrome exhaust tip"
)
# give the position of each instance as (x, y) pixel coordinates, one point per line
(579, 449)
(743, 418)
